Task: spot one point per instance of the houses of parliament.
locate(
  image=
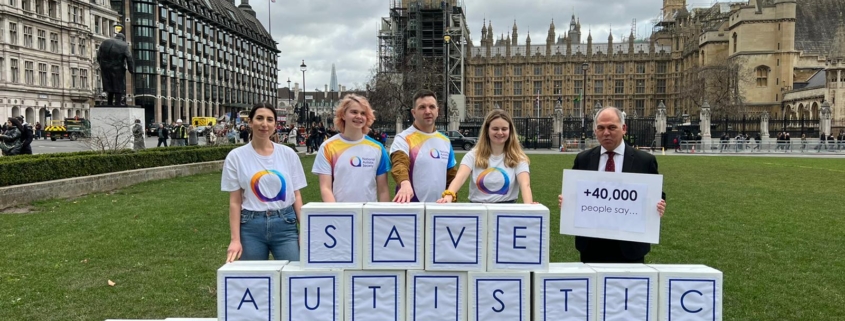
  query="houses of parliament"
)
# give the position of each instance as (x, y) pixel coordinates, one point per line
(789, 57)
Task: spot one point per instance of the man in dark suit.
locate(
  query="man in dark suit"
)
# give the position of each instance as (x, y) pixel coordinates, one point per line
(614, 156)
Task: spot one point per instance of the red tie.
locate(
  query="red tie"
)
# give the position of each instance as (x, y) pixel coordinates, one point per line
(611, 166)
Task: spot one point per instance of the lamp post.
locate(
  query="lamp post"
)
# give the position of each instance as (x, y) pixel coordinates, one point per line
(289, 109)
(446, 39)
(303, 67)
(584, 68)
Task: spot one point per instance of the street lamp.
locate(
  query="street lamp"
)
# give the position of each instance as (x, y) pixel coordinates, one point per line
(303, 67)
(446, 39)
(289, 109)
(584, 68)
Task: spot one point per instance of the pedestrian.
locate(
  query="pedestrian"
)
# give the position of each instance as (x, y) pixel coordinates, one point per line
(163, 134)
(193, 140)
(138, 135)
(264, 180)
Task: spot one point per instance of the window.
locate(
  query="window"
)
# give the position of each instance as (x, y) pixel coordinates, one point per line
(640, 86)
(538, 70)
(54, 70)
(13, 33)
(74, 14)
(2, 33)
(558, 87)
(639, 106)
(54, 42)
(620, 104)
(39, 6)
(25, 5)
(762, 76)
(517, 70)
(599, 87)
(640, 67)
(558, 69)
(598, 69)
(96, 25)
(497, 88)
(2, 69)
(74, 81)
(734, 41)
(517, 88)
(42, 75)
(42, 40)
(479, 89)
(661, 86)
(83, 47)
(27, 36)
(579, 85)
(497, 71)
(579, 70)
(517, 109)
(538, 88)
(13, 3)
(15, 71)
(29, 72)
(661, 67)
(620, 67)
(620, 87)
(51, 9)
(72, 45)
(83, 78)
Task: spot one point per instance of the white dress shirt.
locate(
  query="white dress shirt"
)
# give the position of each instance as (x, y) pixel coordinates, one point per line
(618, 158)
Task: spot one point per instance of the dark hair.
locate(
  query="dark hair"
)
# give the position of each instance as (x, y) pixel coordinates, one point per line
(422, 94)
(260, 105)
(17, 123)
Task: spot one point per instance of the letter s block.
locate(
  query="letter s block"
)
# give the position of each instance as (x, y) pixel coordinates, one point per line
(455, 237)
(331, 235)
(518, 237)
(249, 290)
(393, 236)
(689, 292)
(499, 296)
(312, 294)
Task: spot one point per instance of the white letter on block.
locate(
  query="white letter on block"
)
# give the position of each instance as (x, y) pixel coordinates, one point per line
(519, 235)
(689, 292)
(393, 236)
(436, 296)
(311, 294)
(456, 237)
(499, 296)
(332, 235)
(375, 295)
(249, 290)
(626, 292)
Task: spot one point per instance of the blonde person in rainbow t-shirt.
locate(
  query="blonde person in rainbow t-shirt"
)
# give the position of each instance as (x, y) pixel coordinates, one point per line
(497, 164)
(351, 165)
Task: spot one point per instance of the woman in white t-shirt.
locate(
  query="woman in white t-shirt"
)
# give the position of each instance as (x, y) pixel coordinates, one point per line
(264, 179)
(497, 165)
(353, 166)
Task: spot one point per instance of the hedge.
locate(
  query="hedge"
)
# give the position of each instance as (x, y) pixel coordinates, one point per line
(25, 169)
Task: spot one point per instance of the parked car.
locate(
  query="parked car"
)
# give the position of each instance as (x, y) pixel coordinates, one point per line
(459, 140)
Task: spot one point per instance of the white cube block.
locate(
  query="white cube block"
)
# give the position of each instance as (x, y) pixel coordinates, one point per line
(190, 319)
(438, 295)
(455, 237)
(567, 292)
(332, 235)
(626, 291)
(310, 294)
(504, 296)
(689, 292)
(374, 295)
(249, 290)
(393, 236)
(518, 237)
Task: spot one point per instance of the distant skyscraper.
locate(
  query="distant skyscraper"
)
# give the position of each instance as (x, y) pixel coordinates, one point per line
(333, 86)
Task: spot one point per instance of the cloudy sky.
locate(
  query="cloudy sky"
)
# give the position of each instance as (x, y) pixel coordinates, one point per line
(344, 32)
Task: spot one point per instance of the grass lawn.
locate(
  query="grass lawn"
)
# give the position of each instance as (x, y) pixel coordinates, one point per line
(774, 226)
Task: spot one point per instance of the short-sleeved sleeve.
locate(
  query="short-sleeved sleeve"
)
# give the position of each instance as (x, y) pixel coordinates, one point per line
(452, 161)
(399, 145)
(469, 159)
(229, 181)
(521, 167)
(322, 164)
(297, 174)
(384, 163)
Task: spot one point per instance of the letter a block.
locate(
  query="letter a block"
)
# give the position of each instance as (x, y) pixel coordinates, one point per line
(331, 236)
(518, 237)
(393, 236)
(626, 291)
(374, 295)
(455, 237)
(440, 296)
(689, 292)
(504, 296)
(567, 292)
(249, 290)
(309, 295)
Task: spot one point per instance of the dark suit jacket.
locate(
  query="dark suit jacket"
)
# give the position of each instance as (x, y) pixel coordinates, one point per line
(635, 161)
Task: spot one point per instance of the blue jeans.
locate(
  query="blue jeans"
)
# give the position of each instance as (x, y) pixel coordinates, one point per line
(268, 232)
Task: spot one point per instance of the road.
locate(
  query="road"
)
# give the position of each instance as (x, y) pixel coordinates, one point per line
(46, 146)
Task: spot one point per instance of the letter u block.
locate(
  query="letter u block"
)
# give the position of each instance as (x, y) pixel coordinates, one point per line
(309, 295)
(249, 290)
(440, 296)
(626, 291)
(393, 236)
(331, 235)
(689, 292)
(518, 237)
(455, 237)
(374, 295)
(499, 296)
(567, 292)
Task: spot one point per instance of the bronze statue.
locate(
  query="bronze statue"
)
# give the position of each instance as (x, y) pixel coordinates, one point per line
(114, 58)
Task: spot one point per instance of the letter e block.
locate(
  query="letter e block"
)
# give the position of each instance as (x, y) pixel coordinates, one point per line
(455, 237)
(626, 291)
(393, 236)
(438, 296)
(249, 290)
(567, 292)
(309, 295)
(331, 236)
(504, 296)
(374, 295)
(689, 292)
(518, 237)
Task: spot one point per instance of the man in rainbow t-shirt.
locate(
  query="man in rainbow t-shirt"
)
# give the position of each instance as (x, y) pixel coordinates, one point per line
(422, 158)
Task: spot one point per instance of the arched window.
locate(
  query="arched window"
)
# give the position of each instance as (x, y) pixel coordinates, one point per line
(762, 76)
(735, 41)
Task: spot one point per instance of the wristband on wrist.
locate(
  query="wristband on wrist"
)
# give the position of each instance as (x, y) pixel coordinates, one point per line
(449, 193)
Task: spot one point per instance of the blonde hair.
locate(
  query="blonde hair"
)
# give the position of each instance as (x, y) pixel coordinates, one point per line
(345, 103)
(512, 150)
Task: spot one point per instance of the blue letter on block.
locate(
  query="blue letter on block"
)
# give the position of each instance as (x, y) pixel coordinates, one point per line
(252, 300)
(455, 243)
(334, 240)
(518, 236)
(566, 299)
(682, 301)
(391, 237)
(374, 294)
(318, 300)
(497, 291)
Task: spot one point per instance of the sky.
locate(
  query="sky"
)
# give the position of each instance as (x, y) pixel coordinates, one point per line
(344, 32)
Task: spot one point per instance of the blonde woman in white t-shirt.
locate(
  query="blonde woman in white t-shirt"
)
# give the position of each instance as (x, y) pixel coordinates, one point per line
(263, 180)
(497, 165)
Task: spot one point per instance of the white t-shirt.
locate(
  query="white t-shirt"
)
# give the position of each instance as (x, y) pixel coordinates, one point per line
(431, 155)
(496, 183)
(268, 182)
(354, 166)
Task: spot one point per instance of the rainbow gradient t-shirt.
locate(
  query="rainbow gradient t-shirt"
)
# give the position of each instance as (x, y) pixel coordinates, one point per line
(496, 183)
(268, 182)
(431, 155)
(353, 166)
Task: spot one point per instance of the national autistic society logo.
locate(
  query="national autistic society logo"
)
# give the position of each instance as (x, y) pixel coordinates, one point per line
(434, 153)
(355, 161)
(480, 184)
(255, 182)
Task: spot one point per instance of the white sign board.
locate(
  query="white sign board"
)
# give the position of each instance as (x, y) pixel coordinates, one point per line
(618, 206)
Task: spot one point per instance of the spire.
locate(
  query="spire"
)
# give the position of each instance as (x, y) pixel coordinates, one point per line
(514, 25)
(483, 31)
(246, 8)
(589, 36)
(334, 87)
(515, 34)
(552, 26)
(490, 28)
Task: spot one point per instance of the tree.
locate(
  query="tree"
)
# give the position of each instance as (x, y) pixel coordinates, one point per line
(719, 84)
(391, 93)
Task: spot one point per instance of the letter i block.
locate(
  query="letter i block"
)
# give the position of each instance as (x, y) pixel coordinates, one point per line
(504, 296)
(455, 237)
(393, 236)
(249, 290)
(331, 235)
(309, 295)
(626, 291)
(374, 295)
(567, 292)
(440, 296)
(518, 237)
(689, 292)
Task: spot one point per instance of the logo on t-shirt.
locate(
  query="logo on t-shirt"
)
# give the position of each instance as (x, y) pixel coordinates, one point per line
(488, 179)
(355, 161)
(434, 153)
(270, 178)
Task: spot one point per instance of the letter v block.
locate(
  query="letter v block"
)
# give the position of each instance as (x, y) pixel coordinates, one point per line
(331, 235)
(626, 291)
(689, 292)
(455, 237)
(249, 290)
(374, 295)
(518, 237)
(393, 236)
(499, 296)
(309, 295)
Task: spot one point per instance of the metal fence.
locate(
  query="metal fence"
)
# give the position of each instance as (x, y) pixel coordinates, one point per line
(535, 132)
(750, 146)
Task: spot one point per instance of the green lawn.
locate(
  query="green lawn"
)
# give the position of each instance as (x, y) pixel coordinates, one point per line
(774, 226)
